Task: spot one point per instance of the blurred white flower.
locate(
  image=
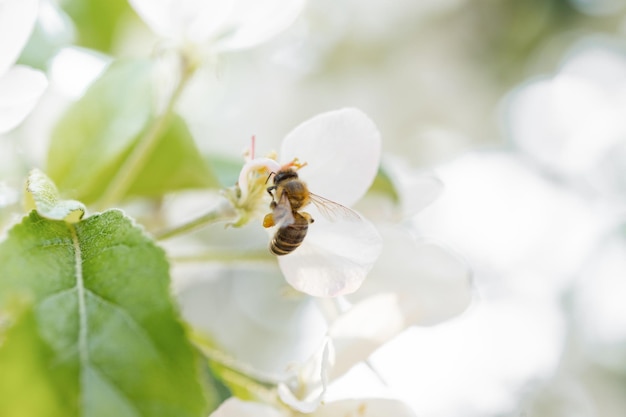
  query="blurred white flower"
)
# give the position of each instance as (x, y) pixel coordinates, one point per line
(341, 150)
(522, 220)
(288, 327)
(229, 24)
(20, 86)
(572, 121)
(304, 390)
(367, 407)
(233, 306)
(414, 283)
(600, 312)
(527, 239)
(472, 366)
(234, 407)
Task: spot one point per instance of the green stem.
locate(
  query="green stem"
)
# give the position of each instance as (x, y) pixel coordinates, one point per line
(220, 213)
(238, 376)
(142, 151)
(224, 256)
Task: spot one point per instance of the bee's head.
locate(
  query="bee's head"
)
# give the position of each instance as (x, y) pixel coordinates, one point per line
(283, 174)
(287, 171)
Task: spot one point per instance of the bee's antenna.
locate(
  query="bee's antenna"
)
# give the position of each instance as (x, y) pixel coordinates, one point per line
(269, 176)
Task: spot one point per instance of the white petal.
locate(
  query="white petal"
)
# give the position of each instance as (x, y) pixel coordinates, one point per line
(416, 189)
(235, 305)
(599, 302)
(571, 121)
(495, 196)
(20, 89)
(367, 407)
(342, 149)
(206, 18)
(363, 329)
(430, 283)
(194, 20)
(305, 391)
(73, 69)
(251, 166)
(234, 407)
(334, 257)
(155, 13)
(17, 19)
(256, 21)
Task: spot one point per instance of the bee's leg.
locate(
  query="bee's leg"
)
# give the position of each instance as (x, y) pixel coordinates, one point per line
(307, 216)
(269, 191)
(268, 220)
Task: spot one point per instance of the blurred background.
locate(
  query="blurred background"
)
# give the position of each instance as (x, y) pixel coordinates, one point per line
(518, 107)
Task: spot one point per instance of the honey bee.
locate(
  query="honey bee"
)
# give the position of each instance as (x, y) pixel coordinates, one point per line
(289, 196)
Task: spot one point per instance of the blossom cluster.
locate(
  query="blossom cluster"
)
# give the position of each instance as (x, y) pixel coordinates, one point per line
(294, 327)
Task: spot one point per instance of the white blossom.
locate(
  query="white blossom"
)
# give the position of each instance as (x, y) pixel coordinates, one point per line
(340, 152)
(304, 390)
(20, 86)
(573, 120)
(229, 24)
(304, 393)
(365, 407)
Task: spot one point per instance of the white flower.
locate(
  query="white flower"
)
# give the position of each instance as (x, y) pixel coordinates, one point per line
(497, 197)
(340, 151)
(306, 388)
(229, 24)
(233, 306)
(598, 300)
(572, 121)
(415, 282)
(305, 391)
(366, 407)
(20, 86)
(234, 407)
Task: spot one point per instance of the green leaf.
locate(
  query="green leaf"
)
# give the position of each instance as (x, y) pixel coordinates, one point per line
(28, 384)
(226, 168)
(96, 133)
(99, 132)
(175, 164)
(97, 22)
(100, 289)
(43, 196)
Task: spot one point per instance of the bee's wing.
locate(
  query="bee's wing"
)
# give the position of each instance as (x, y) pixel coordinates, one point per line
(333, 211)
(334, 257)
(283, 214)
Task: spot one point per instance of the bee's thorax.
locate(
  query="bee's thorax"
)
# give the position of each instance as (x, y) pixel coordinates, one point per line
(285, 174)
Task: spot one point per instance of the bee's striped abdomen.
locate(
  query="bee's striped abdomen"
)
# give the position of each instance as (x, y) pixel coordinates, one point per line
(290, 237)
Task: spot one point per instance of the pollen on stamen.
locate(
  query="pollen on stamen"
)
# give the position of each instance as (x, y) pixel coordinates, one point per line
(295, 163)
(255, 165)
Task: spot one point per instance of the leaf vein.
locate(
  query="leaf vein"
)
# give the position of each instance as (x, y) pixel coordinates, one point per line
(83, 335)
(130, 320)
